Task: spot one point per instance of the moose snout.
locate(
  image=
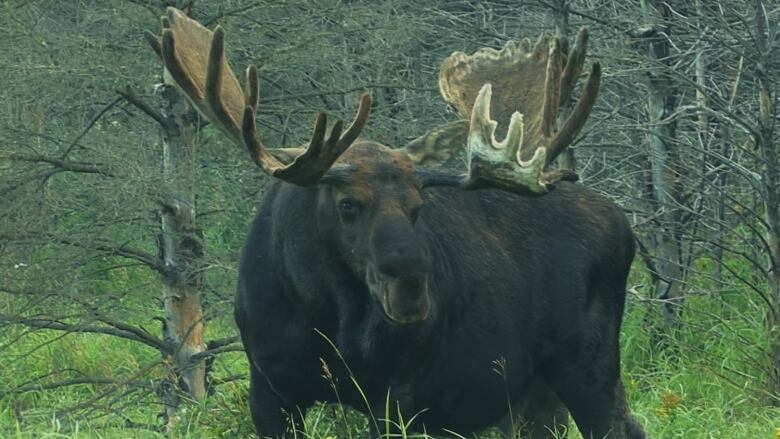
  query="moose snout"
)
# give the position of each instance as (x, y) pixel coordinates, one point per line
(402, 266)
(402, 262)
(397, 252)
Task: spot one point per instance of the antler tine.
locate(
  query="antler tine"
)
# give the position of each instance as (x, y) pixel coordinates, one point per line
(175, 68)
(574, 63)
(542, 45)
(579, 115)
(313, 165)
(252, 88)
(214, 75)
(248, 132)
(552, 89)
(498, 164)
(154, 41)
(361, 117)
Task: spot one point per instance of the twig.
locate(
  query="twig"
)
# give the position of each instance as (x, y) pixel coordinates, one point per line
(194, 359)
(89, 127)
(228, 13)
(47, 323)
(110, 248)
(62, 164)
(131, 380)
(139, 103)
(218, 343)
(56, 385)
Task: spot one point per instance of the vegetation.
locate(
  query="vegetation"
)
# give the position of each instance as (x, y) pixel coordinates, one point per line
(683, 137)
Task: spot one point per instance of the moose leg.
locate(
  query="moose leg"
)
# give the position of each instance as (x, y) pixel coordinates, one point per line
(271, 417)
(585, 370)
(633, 429)
(539, 415)
(589, 393)
(588, 382)
(545, 416)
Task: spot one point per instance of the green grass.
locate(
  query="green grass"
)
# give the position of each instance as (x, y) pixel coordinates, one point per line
(708, 382)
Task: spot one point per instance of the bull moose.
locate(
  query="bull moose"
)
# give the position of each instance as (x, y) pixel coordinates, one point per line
(395, 270)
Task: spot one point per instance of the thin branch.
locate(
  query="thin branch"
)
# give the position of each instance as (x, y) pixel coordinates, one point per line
(47, 323)
(127, 93)
(236, 347)
(61, 164)
(139, 332)
(110, 248)
(234, 11)
(56, 385)
(89, 127)
(218, 343)
(131, 380)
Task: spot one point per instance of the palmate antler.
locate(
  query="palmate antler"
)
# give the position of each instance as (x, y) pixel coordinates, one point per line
(529, 85)
(195, 58)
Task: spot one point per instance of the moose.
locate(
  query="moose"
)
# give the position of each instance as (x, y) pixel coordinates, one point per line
(396, 277)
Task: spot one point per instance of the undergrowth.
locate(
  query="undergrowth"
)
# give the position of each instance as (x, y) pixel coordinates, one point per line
(702, 380)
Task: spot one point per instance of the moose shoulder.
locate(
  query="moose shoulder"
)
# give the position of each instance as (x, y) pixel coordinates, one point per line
(421, 282)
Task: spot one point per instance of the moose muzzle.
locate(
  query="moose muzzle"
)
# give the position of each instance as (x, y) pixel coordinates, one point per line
(399, 276)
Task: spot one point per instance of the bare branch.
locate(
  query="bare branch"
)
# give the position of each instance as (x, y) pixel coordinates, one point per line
(56, 385)
(127, 93)
(61, 164)
(89, 126)
(49, 323)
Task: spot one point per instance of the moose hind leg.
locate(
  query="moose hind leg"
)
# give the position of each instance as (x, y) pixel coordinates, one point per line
(540, 415)
(585, 374)
(545, 416)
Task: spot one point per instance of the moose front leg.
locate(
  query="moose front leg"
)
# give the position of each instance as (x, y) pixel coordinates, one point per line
(270, 415)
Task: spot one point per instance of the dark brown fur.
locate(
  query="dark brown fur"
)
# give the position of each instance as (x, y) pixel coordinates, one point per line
(535, 283)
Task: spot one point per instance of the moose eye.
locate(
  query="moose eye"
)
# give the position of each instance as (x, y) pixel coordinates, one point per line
(349, 208)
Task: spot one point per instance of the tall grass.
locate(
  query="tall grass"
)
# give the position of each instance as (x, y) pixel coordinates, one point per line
(706, 382)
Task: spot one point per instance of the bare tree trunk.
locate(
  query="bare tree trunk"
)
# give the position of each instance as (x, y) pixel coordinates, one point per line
(765, 143)
(566, 160)
(663, 158)
(181, 247)
(712, 144)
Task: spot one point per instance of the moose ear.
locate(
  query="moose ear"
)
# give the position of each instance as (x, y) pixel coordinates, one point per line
(440, 146)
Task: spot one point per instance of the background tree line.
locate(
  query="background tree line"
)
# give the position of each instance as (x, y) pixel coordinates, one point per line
(122, 213)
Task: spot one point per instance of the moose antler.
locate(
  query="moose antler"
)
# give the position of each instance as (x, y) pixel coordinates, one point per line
(195, 59)
(531, 84)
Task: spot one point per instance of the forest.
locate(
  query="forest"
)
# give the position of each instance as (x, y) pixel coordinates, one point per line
(123, 213)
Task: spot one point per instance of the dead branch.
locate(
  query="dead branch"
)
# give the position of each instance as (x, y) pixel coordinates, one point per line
(236, 347)
(127, 93)
(61, 164)
(56, 385)
(89, 127)
(50, 323)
